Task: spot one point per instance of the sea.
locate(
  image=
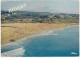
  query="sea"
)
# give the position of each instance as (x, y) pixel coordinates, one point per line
(51, 43)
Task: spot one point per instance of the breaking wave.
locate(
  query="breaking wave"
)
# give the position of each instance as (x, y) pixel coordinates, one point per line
(16, 52)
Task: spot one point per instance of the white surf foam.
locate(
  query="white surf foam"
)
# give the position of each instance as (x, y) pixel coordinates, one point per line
(73, 53)
(43, 33)
(13, 53)
(55, 34)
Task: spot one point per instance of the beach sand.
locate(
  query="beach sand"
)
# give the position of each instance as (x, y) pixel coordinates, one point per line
(10, 32)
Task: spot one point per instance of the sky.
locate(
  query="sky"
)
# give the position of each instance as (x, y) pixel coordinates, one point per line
(53, 6)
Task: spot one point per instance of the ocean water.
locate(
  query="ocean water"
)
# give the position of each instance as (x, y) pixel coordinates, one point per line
(54, 43)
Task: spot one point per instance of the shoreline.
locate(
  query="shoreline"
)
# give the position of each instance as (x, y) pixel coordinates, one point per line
(30, 37)
(39, 33)
(33, 35)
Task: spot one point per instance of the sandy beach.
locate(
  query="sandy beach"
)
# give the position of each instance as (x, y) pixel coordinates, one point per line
(10, 32)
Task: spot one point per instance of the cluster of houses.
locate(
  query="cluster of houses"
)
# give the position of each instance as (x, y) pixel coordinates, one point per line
(27, 19)
(5, 19)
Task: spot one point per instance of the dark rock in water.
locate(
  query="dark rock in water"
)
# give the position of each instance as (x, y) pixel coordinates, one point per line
(12, 40)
